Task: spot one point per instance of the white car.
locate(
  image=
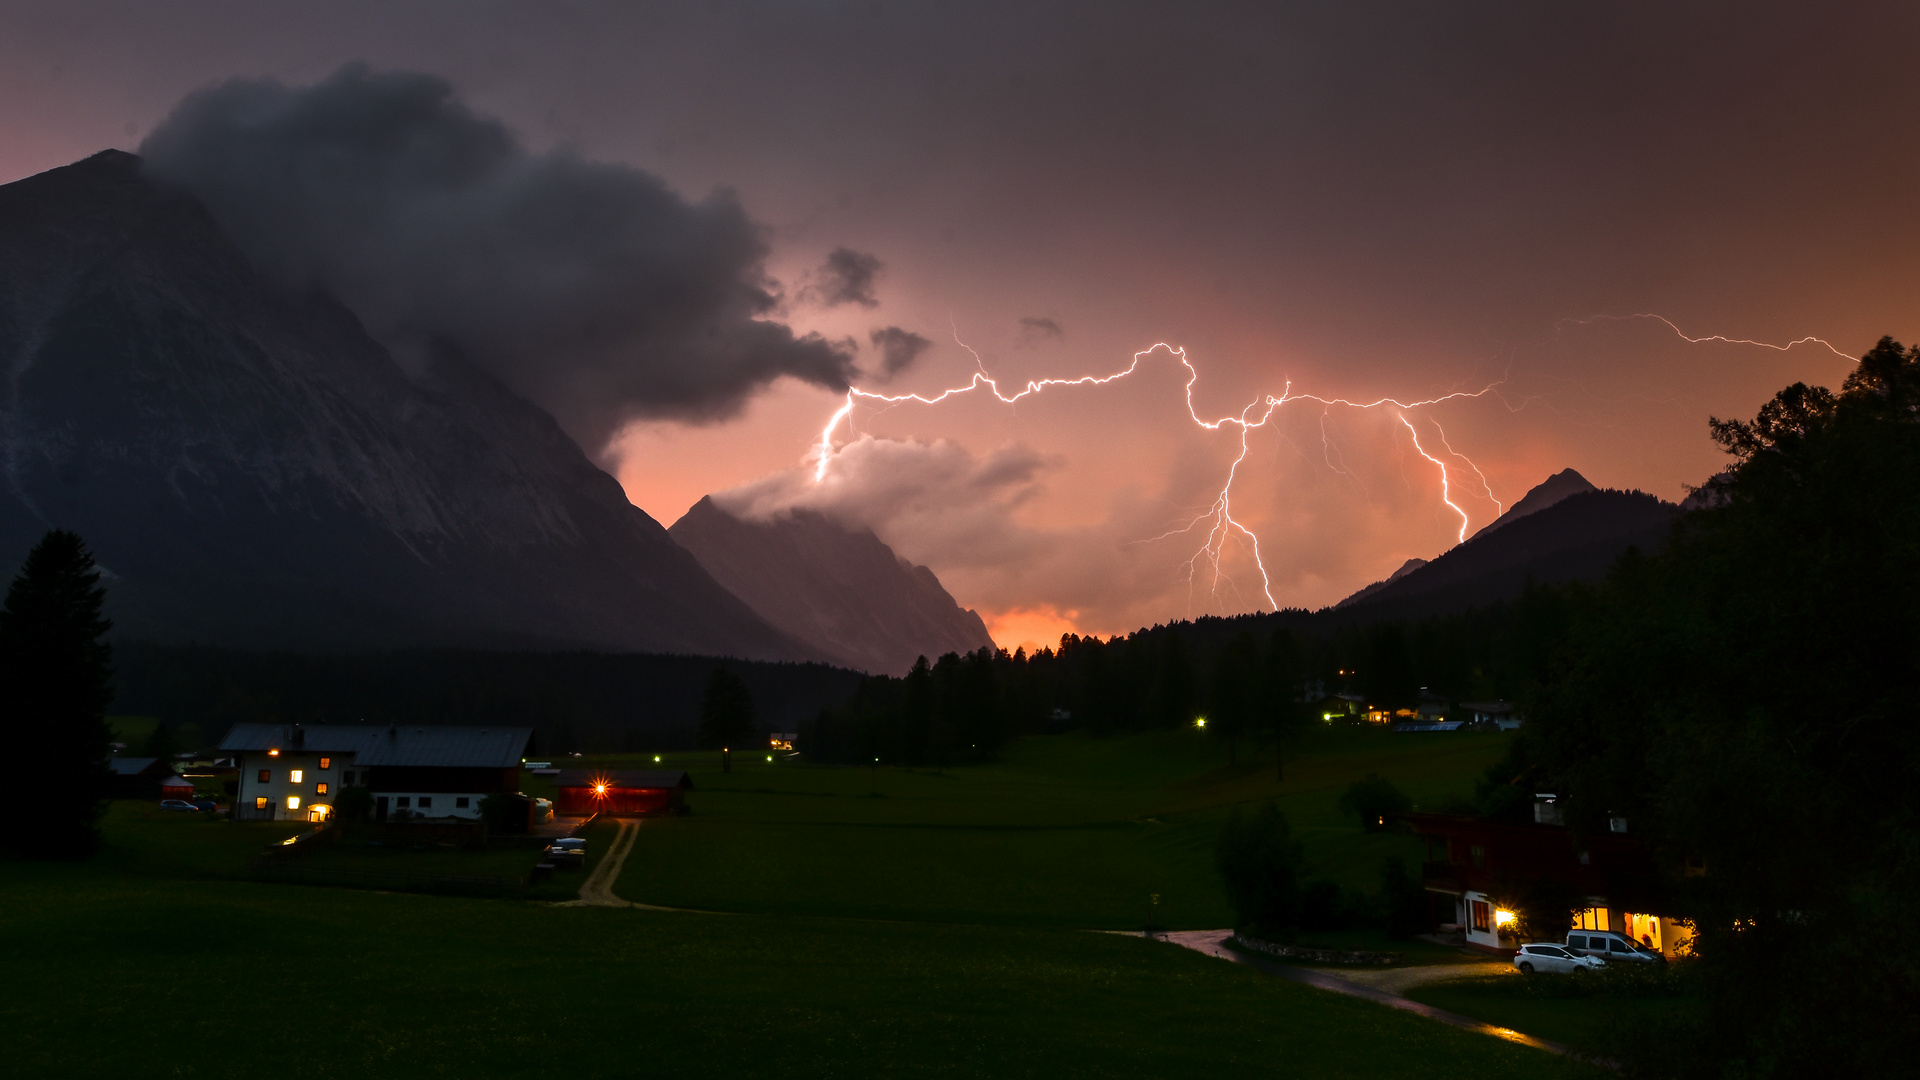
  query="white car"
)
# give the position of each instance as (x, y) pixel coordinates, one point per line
(1547, 957)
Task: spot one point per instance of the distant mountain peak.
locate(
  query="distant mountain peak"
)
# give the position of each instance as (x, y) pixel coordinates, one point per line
(1406, 568)
(841, 590)
(1561, 485)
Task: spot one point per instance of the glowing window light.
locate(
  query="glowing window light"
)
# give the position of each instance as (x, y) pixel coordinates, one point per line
(295, 775)
(293, 802)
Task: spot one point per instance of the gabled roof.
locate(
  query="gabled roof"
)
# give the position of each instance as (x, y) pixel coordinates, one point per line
(440, 745)
(624, 778)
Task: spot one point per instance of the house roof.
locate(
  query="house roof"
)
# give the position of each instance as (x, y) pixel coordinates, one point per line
(624, 778)
(131, 766)
(442, 745)
(1487, 706)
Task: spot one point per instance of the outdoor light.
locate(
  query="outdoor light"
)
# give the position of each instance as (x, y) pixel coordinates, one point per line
(1201, 722)
(769, 757)
(599, 789)
(273, 753)
(656, 759)
(1502, 918)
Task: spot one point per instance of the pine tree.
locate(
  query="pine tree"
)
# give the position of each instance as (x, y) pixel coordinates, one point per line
(726, 712)
(57, 672)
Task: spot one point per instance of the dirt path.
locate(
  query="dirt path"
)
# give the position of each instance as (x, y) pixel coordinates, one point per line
(1380, 985)
(597, 890)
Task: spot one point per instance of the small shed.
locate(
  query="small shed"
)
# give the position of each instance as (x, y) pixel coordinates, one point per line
(136, 778)
(620, 791)
(176, 787)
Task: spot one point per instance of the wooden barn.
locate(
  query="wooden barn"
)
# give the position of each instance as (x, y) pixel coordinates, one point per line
(620, 791)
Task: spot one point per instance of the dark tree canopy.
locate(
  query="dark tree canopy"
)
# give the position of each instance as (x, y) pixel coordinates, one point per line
(57, 678)
(1745, 700)
(726, 712)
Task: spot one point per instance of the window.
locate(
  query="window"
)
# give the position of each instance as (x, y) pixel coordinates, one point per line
(1482, 915)
(425, 802)
(1575, 941)
(1479, 855)
(319, 789)
(293, 802)
(1593, 918)
(260, 803)
(326, 763)
(460, 803)
(266, 775)
(1616, 945)
(403, 802)
(295, 776)
(1548, 950)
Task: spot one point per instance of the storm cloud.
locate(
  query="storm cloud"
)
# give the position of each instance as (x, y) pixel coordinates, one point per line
(593, 289)
(847, 277)
(898, 349)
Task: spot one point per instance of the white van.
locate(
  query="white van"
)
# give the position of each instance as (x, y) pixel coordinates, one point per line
(1611, 946)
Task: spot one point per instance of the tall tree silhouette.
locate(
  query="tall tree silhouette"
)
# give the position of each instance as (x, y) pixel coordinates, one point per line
(726, 712)
(57, 678)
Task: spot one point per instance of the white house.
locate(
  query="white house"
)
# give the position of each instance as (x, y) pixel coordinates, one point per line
(291, 772)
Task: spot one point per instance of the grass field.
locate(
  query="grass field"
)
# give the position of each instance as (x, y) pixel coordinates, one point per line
(972, 958)
(1067, 831)
(1590, 1024)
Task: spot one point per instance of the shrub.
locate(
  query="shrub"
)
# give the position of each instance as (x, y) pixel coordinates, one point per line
(1372, 800)
(1260, 865)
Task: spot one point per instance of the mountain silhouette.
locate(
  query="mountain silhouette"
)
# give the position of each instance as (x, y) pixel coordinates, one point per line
(253, 470)
(840, 590)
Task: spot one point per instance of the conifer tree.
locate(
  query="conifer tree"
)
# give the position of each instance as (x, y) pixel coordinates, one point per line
(57, 674)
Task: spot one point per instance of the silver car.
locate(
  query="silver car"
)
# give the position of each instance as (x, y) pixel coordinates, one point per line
(1615, 946)
(1546, 957)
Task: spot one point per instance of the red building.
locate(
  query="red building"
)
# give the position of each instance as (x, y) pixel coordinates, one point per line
(620, 791)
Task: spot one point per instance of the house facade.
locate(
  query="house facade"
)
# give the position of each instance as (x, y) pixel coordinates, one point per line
(294, 772)
(584, 792)
(1473, 863)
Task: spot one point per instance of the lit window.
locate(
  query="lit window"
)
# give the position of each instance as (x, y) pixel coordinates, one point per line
(260, 803)
(425, 802)
(293, 802)
(460, 803)
(266, 775)
(295, 776)
(319, 789)
(326, 763)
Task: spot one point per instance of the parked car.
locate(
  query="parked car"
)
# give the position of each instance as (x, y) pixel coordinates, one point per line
(571, 851)
(1550, 958)
(1616, 947)
(178, 804)
(206, 804)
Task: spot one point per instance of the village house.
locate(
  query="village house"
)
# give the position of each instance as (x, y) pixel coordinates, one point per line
(1491, 714)
(1472, 864)
(145, 778)
(291, 772)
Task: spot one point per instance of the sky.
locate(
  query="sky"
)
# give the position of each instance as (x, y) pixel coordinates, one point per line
(1335, 201)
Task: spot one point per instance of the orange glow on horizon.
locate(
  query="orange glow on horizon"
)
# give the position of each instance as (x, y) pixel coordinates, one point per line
(1032, 629)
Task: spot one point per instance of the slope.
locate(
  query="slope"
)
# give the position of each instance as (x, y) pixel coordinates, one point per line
(253, 470)
(840, 590)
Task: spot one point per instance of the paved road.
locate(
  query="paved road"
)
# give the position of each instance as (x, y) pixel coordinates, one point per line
(1356, 984)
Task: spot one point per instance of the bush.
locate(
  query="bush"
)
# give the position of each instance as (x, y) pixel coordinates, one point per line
(1326, 906)
(1372, 800)
(1260, 865)
(354, 803)
(1403, 901)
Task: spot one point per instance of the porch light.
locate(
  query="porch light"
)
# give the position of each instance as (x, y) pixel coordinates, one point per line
(599, 789)
(1502, 917)
(273, 753)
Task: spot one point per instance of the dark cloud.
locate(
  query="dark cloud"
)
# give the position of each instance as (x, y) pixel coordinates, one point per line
(898, 349)
(594, 289)
(1032, 329)
(846, 277)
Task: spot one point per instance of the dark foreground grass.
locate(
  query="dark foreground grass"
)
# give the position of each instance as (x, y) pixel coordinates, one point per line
(115, 976)
(1067, 831)
(1596, 1024)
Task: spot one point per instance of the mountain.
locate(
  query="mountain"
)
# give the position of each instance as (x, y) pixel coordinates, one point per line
(1576, 537)
(1406, 568)
(840, 590)
(1561, 485)
(253, 470)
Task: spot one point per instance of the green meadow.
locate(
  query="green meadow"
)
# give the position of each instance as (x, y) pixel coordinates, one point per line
(885, 923)
(1067, 831)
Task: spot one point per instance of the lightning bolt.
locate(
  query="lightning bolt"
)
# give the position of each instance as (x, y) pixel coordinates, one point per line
(1222, 528)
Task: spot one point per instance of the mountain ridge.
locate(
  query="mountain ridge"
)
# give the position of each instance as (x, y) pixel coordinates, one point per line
(842, 590)
(252, 469)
